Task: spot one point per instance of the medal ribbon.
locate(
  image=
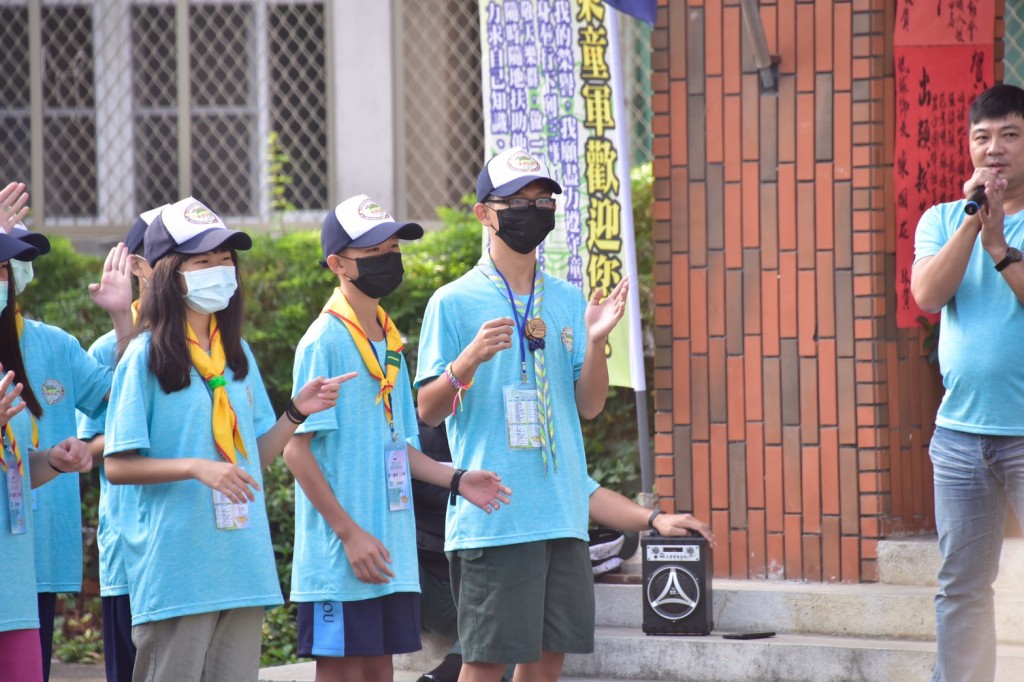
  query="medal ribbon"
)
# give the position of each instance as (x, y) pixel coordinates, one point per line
(534, 304)
(226, 435)
(386, 374)
(19, 323)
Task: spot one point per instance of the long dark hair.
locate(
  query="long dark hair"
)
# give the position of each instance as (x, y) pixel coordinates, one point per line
(162, 312)
(10, 349)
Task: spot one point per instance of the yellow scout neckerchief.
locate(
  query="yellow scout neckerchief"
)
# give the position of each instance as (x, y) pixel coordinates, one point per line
(387, 373)
(211, 367)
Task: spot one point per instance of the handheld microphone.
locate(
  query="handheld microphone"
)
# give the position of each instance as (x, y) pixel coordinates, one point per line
(975, 201)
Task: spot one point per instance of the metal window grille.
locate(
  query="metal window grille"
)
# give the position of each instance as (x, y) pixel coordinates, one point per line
(1013, 59)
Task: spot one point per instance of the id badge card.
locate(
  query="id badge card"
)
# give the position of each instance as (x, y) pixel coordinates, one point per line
(399, 481)
(15, 499)
(522, 422)
(229, 515)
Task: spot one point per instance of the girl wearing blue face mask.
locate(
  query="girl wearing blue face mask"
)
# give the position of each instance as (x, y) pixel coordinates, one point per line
(190, 424)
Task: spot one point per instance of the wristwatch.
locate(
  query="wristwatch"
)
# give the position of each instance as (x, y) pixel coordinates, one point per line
(1012, 256)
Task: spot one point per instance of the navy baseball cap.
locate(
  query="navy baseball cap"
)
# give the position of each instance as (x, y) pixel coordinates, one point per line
(137, 232)
(509, 172)
(189, 227)
(36, 240)
(17, 249)
(360, 222)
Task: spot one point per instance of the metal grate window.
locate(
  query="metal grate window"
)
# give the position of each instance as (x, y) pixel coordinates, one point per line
(1013, 59)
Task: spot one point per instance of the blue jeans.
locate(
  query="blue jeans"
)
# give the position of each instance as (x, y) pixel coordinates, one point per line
(974, 477)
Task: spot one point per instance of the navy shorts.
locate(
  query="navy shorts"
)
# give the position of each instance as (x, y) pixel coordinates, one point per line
(370, 627)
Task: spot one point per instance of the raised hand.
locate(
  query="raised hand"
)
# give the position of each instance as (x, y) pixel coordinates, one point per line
(603, 313)
(234, 481)
(8, 397)
(13, 205)
(368, 557)
(320, 394)
(113, 293)
(484, 489)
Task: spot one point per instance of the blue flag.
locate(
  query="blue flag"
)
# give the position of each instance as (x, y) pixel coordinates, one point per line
(645, 10)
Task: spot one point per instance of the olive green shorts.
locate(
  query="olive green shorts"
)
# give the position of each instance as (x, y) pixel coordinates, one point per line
(517, 601)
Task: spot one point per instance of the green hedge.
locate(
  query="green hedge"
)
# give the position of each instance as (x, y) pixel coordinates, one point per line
(285, 290)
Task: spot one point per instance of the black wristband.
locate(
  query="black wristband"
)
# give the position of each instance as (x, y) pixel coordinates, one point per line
(650, 519)
(454, 486)
(293, 414)
(51, 463)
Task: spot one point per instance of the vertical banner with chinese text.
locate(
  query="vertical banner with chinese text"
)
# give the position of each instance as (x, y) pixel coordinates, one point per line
(550, 86)
(944, 59)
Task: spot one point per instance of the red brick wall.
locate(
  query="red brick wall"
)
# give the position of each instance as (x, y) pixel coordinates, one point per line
(789, 409)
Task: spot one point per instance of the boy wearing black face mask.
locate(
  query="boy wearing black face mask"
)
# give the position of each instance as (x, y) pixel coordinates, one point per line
(522, 579)
(358, 598)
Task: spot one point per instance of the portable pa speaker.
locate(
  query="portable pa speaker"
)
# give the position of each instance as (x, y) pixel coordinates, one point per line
(677, 585)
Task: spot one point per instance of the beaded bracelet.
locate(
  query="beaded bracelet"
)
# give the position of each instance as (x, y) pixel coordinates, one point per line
(460, 387)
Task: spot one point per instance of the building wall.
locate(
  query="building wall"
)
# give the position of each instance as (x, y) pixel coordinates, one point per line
(790, 411)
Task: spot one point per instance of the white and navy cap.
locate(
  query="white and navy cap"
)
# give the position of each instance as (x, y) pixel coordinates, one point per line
(189, 227)
(137, 232)
(34, 239)
(18, 249)
(360, 222)
(509, 172)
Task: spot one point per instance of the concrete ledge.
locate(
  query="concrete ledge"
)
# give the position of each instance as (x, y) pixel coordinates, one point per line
(915, 561)
(865, 610)
(628, 654)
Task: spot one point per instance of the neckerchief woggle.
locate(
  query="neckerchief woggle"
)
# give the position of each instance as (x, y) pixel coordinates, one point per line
(386, 374)
(226, 436)
(521, 314)
(8, 432)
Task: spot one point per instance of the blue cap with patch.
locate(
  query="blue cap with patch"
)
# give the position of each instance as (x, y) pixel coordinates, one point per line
(137, 232)
(189, 227)
(17, 249)
(360, 222)
(509, 172)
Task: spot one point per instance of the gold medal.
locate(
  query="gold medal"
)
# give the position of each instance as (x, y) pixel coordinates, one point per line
(536, 329)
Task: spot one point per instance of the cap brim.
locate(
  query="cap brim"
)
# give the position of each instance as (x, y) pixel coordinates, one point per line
(136, 235)
(38, 241)
(17, 249)
(513, 186)
(384, 231)
(214, 239)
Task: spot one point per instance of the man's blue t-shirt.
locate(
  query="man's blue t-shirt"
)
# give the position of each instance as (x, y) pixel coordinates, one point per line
(980, 333)
(113, 578)
(65, 379)
(349, 446)
(177, 560)
(545, 504)
(19, 606)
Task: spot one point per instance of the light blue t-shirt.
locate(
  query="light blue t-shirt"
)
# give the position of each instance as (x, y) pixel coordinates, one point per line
(178, 562)
(113, 578)
(980, 333)
(349, 446)
(65, 379)
(544, 506)
(19, 607)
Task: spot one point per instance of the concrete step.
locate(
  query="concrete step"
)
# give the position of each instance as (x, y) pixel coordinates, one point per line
(865, 610)
(628, 654)
(306, 672)
(915, 561)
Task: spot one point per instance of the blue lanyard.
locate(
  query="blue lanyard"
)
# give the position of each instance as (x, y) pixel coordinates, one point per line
(520, 323)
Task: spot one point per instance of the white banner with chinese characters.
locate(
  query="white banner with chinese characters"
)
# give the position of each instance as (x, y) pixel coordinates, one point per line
(552, 84)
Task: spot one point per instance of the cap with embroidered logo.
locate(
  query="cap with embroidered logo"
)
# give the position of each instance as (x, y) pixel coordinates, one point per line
(360, 222)
(510, 171)
(189, 227)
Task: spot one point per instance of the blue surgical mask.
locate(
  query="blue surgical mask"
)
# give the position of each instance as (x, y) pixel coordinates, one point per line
(210, 290)
(23, 274)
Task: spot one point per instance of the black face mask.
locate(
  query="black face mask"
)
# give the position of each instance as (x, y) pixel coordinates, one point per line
(524, 230)
(379, 275)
